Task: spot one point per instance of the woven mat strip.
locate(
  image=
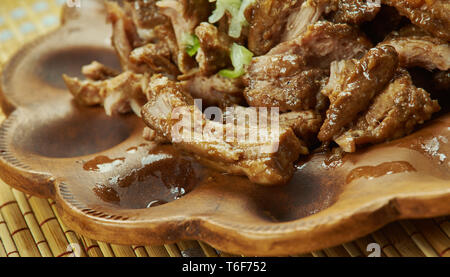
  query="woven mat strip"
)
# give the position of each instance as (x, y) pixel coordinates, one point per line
(435, 236)
(105, 249)
(318, 254)
(140, 251)
(157, 251)
(70, 235)
(32, 223)
(401, 241)
(94, 249)
(49, 224)
(32, 227)
(208, 250)
(122, 250)
(444, 224)
(386, 246)
(418, 239)
(2, 250)
(352, 249)
(17, 225)
(7, 241)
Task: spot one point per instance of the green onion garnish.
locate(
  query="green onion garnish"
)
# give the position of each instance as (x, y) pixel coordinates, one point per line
(240, 57)
(191, 44)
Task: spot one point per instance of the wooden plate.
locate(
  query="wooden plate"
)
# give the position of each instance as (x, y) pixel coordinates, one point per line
(112, 186)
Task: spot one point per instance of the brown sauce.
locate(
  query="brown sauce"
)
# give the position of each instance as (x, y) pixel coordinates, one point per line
(103, 164)
(106, 193)
(371, 172)
(132, 150)
(167, 175)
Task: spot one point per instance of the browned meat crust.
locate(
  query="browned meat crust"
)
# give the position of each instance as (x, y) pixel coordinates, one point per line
(275, 21)
(185, 15)
(394, 113)
(118, 95)
(236, 157)
(305, 124)
(268, 22)
(125, 37)
(352, 85)
(98, 72)
(215, 90)
(431, 15)
(354, 11)
(417, 48)
(146, 17)
(214, 52)
(291, 75)
(157, 57)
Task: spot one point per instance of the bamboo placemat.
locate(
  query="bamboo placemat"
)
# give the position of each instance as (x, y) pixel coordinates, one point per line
(30, 226)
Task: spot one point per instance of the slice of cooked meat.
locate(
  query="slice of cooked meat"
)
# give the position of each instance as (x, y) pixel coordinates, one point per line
(97, 72)
(125, 90)
(325, 42)
(265, 162)
(185, 15)
(432, 16)
(352, 85)
(120, 94)
(291, 75)
(87, 93)
(157, 56)
(274, 21)
(215, 90)
(353, 11)
(125, 37)
(305, 124)
(299, 19)
(394, 113)
(144, 39)
(288, 83)
(417, 48)
(214, 51)
(146, 18)
(268, 22)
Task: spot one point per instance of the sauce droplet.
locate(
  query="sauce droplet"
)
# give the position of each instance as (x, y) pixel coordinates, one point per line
(103, 164)
(106, 193)
(371, 172)
(132, 150)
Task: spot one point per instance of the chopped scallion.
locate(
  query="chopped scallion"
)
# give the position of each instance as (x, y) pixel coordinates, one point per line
(240, 57)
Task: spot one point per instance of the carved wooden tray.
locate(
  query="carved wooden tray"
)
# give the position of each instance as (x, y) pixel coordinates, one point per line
(109, 184)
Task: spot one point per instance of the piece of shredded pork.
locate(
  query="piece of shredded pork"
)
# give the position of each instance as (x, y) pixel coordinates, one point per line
(265, 162)
(393, 113)
(431, 15)
(353, 84)
(291, 75)
(418, 48)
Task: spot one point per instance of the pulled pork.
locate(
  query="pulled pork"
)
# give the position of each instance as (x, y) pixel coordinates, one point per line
(332, 72)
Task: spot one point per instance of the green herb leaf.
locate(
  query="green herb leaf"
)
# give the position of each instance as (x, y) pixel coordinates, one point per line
(240, 57)
(191, 44)
(236, 8)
